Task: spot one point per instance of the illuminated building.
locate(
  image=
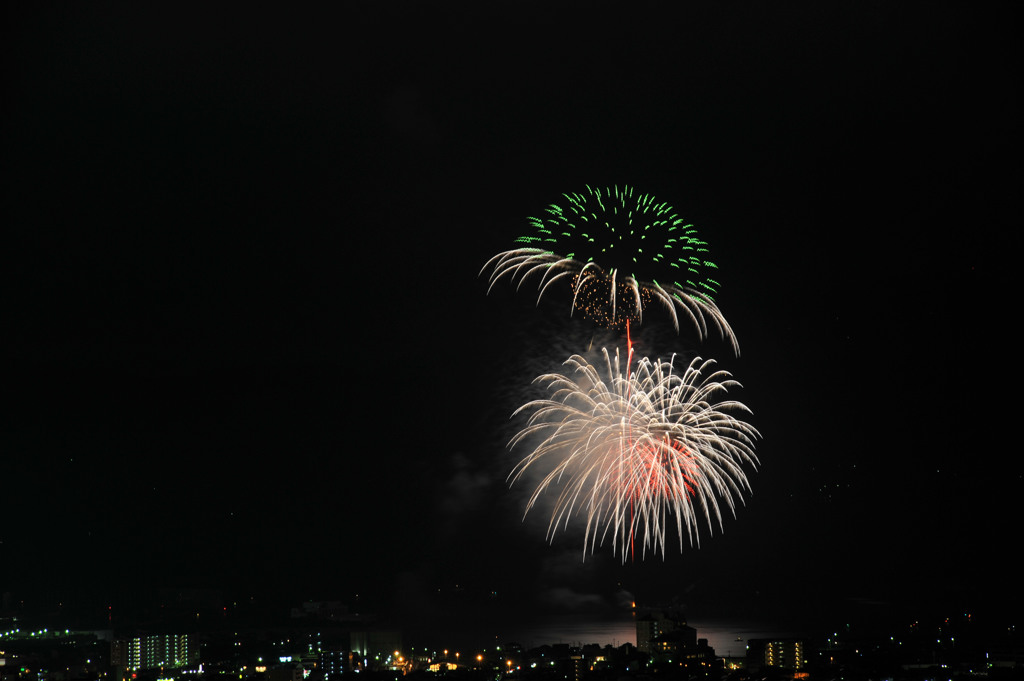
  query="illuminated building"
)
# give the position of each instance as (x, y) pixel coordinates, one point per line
(783, 653)
(673, 645)
(788, 654)
(657, 625)
(577, 665)
(336, 663)
(158, 651)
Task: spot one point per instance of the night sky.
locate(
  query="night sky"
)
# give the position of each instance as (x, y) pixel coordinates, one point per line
(248, 346)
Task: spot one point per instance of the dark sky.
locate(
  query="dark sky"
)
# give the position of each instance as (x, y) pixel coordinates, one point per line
(248, 347)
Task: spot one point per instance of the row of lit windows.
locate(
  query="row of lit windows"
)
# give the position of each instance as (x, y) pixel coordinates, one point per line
(151, 652)
(778, 650)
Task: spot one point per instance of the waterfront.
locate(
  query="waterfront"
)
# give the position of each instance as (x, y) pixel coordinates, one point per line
(729, 639)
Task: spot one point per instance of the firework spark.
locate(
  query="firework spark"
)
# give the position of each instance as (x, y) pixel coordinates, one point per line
(628, 451)
(597, 240)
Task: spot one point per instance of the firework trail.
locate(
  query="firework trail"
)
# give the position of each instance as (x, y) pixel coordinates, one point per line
(629, 452)
(594, 243)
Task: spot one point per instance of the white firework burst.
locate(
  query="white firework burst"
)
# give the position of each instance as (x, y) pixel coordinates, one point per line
(636, 453)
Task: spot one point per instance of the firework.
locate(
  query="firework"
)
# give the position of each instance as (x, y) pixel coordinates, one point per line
(595, 243)
(636, 453)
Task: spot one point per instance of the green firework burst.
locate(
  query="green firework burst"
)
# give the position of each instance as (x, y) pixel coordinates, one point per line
(618, 250)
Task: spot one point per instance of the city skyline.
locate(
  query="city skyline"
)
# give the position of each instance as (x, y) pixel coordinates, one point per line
(666, 643)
